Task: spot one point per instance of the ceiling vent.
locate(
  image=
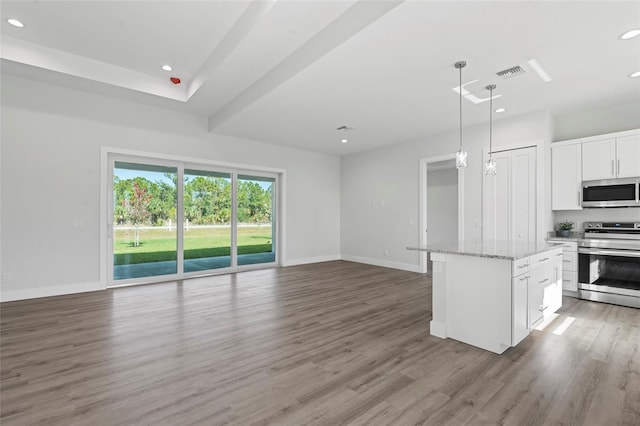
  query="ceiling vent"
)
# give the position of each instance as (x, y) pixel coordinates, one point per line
(510, 72)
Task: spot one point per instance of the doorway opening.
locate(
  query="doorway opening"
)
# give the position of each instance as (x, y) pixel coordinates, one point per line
(441, 204)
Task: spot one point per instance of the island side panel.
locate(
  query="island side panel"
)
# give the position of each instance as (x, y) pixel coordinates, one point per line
(438, 325)
(478, 301)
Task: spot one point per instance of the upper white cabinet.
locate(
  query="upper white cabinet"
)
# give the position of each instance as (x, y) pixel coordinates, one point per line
(599, 160)
(628, 153)
(566, 175)
(611, 158)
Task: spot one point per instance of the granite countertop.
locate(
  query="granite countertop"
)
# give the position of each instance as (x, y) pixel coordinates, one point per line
(495, 249)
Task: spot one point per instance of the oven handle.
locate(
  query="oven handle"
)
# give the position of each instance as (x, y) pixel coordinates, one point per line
(621, 253)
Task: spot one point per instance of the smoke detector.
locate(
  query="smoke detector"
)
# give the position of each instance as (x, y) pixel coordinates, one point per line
(511, 72)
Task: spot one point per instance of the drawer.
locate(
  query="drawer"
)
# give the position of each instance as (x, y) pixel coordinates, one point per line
(541, 277)
(540, 258)
(569, 280)
(566, 245)
(520, 266)
(569, 261)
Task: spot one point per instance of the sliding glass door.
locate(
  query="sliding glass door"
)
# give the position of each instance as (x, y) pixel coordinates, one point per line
(145, 239)
(207, 217)
(255, 220)
(174, 220)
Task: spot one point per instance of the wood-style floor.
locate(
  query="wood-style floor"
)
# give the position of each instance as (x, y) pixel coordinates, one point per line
(332, 343)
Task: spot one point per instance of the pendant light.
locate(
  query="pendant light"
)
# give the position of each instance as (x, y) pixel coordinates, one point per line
(490, 164)
(461, 155)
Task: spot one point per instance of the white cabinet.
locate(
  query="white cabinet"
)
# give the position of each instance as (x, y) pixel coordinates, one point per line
(520, 313)
(615, 155)
(509, 197)
(598, 159)
(569, 266)
(628, 153)
(611, 158)
(566, 177)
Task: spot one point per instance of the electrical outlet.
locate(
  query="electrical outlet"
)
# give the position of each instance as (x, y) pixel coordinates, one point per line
(7, 278)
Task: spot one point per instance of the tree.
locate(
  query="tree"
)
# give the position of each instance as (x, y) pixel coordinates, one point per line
(138, 209)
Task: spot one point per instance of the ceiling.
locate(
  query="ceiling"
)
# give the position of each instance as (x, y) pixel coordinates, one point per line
(291, 72)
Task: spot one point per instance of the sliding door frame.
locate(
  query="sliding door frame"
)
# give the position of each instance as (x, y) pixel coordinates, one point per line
(108, 157)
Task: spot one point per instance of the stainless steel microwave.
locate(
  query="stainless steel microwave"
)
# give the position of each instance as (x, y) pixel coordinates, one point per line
(611, 193)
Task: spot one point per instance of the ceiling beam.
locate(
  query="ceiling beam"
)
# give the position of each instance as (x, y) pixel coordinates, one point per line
(249, 19)
(345, 26)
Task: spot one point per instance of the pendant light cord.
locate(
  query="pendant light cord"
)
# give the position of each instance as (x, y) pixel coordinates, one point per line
(490, 89)
(460, 98)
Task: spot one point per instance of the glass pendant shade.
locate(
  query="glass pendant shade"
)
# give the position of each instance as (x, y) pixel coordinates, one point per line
(490, 167)
(461, 158)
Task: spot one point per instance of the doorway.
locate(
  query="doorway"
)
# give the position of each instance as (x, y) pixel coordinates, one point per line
(441, 204)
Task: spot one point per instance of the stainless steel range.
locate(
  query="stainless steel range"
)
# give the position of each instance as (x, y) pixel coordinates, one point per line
(609, 263)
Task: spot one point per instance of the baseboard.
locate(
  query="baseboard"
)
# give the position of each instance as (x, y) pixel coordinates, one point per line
(306, 260)
(384, 263)
(57, 290)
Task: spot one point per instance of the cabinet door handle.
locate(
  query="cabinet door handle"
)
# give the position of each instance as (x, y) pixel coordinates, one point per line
(526, 277)
(578, 197)
(543, 260)
(543, 281)
(618, 166)
(566, 261)
(523, 266)
(543, 308)
(612, 169)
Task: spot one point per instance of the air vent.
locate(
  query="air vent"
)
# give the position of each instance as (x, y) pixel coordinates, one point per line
(510, 72)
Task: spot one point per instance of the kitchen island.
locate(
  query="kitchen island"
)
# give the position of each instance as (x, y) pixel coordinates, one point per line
(492, 294)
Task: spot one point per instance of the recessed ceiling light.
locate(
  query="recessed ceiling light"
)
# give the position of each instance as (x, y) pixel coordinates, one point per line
(634, 74)
(167, 67)
(501, 110)
(630, 34)
(344, 141)
(15, 22)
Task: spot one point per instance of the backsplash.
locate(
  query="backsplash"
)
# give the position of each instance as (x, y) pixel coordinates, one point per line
(631, 214)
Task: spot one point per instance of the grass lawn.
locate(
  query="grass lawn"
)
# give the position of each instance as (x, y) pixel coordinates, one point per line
(157, 245)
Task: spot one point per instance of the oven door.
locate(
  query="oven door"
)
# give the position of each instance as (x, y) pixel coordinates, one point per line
(610, 271)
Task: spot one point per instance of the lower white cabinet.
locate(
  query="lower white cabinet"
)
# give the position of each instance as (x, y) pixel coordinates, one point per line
(520, 319)
(569, 266)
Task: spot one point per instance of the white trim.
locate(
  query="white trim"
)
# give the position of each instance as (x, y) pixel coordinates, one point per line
(191, 160)
(317, 259)
(424, 164)
(597, 137)
(56, 290)
(384, 263)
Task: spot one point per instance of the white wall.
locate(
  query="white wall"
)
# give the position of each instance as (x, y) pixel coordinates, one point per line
(596, 121)
(51, 143)
(380, 200)
(442, 204)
